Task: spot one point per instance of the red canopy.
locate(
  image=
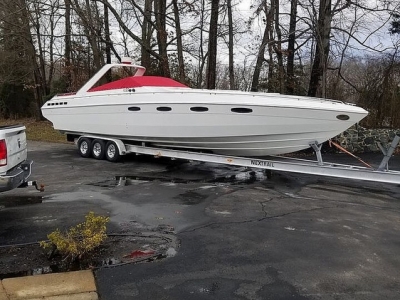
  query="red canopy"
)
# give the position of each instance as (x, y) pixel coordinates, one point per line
(138, 81)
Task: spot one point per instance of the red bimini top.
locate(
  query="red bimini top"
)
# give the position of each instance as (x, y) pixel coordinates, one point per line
(139, 81)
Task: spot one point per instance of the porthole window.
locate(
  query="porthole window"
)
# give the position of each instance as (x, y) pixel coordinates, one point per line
(241, 110)
(133, 108)
(199, 109)
(164, 108)
(342, 117)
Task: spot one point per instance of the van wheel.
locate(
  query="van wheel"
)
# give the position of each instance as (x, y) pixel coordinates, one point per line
(98, 149)
(112, 152)
(84, 147)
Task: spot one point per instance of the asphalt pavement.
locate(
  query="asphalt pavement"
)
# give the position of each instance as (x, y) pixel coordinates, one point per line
(236, 234)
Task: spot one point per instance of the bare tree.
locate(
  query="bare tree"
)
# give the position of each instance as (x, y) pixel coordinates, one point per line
(230, 46)
(107, 35)
(16, 71)
(68, 46)
(147, 30)
(212, 45)
(380, 92)
(322, 40)
(92, 25)
(161, 12)
(395, 23)
(131, 34)
(291, 48)
(179, 46)
(201, 56)
(264, 43)
(278, 47)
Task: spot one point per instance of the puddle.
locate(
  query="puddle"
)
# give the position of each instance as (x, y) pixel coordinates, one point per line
(241, 178)
(133, 180)
(238, 178)
(11, 201)
(191, 198)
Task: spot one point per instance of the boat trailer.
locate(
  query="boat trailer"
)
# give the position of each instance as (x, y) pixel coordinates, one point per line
(276, 163)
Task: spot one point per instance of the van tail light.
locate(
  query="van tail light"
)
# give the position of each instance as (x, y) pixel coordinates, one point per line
(3, 153)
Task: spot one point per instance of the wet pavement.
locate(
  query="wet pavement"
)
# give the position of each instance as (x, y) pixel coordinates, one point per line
(230, 233)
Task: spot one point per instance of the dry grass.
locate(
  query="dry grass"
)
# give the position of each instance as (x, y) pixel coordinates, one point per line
(37, 130)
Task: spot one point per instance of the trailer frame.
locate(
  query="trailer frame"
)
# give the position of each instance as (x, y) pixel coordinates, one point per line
(273, 163)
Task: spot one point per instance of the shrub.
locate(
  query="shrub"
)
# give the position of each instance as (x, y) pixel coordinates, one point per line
(80, 239)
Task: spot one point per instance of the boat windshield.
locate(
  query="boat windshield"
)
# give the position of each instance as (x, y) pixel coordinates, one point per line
(138, 81)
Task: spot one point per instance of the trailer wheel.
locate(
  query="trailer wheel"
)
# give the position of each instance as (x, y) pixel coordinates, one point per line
(84, 147)
(98, 149)
(112, 152)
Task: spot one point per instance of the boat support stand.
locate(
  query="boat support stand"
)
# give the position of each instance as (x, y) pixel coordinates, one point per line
(388, 152)
(317, 150)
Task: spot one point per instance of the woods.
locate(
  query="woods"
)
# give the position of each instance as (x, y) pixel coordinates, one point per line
(340, 49)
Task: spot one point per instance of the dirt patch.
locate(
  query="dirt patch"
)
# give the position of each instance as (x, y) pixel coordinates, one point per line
(31, 259)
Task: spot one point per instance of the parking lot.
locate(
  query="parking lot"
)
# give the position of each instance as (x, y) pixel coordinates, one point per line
(229, 232)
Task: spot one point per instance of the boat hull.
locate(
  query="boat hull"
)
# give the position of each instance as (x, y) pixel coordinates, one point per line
(233, 124)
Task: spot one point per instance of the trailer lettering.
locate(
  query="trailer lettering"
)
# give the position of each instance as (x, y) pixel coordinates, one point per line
(262, 163)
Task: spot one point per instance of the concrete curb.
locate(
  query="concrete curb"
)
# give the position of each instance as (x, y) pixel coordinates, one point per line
(79, 285)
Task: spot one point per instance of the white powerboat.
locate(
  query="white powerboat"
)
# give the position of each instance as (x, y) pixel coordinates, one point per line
(165, 113)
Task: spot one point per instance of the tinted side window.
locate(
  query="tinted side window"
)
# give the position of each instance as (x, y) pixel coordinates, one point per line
(133, 108)
(241, 110)
(164, 108)
(199, 108)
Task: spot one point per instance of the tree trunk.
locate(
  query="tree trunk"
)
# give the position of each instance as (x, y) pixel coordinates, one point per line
(261, 51)
(323, 31)
(31, 51)
(230, 46)
(51, 48)
(259, 62)
(108, 41)
(67, 40)
(92, 37)
(181, 63)
(290, 82)
(107, 35)
(44, 69)
(146, 34)
(278, 49)
(161, 11)
(212, 46)
(42, 64)
(202, 58)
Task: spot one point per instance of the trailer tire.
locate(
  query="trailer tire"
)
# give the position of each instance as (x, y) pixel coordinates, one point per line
(84, 147)
(112, 152)
(98, 149)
